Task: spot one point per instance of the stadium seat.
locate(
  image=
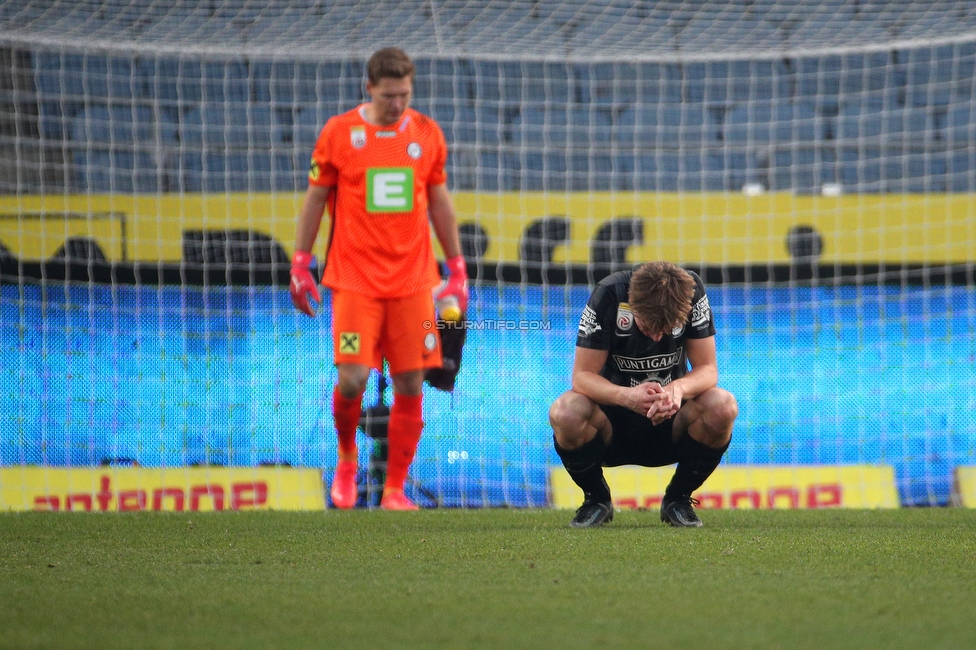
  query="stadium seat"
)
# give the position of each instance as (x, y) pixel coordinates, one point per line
(855, 124)
(680, 172)
(55, 119)
(76, 76)
(216, 172)
(459, 122)
(179, 82)
(717, 83)
(309, 122)
(929, 75)
(860, 171)
(219, 126)
(756, 81)
(875, 170)
(60, 76)
(818, 79)
(727, 171)
(917, 172)
(960, 128)
(645, 172)
(492, 121)
(637, 127)
(614, 84)
(911, 124)
(119, 125)
(190, 81)
(961, 170)
(867, 72)
(801, 169)
(349, 87)
(758, 123)
(539, 126)
(485, 80)
(295, 83)
(589, 127)
(687, 125)
(597, 171)
(448, 80)
(550, 82)
(112, 170)
(492, 174)
(510, 76)
(273, 82)
(249, 172)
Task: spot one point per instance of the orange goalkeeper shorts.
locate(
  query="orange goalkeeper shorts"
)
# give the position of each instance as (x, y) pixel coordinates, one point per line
(402, 330)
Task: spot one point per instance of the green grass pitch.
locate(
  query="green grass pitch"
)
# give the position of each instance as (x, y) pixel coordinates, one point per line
(488, 579)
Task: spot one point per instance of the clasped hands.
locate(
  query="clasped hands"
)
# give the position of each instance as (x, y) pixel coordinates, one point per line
(656, 402)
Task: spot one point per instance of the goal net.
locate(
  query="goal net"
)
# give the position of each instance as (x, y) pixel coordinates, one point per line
(814, 161)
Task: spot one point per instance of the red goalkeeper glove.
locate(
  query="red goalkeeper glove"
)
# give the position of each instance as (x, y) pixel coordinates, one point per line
(302, 283)
(457, 282)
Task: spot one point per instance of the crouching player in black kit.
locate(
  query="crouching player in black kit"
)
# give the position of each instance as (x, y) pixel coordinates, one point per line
(634, 401)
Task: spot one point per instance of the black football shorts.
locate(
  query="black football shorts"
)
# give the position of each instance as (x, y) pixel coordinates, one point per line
(636, 441)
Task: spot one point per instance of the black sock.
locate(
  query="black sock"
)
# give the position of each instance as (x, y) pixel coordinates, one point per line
(585, 468)
(696, 462)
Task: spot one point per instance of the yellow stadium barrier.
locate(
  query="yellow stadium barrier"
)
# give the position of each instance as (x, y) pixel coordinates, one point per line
(713, 228)
(964, 487)
(174, 489)
(750, 486)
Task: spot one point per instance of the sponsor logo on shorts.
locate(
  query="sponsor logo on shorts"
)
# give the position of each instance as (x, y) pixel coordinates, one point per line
(349, 342)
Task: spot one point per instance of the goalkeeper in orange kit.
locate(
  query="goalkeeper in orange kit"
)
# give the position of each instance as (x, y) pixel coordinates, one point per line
(379, 170)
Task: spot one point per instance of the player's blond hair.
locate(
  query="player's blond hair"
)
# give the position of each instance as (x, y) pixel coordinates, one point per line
(660, 295)
(390, 62)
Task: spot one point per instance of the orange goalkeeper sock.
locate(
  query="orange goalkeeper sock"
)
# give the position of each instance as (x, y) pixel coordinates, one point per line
(406, 424)
(346, 414)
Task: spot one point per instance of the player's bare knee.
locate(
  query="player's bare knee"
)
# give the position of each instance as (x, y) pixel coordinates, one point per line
(568, 416)
(720, 416)
(726, 409)
(351, 390)
(409, 383)
(562, 415)
(352, 382)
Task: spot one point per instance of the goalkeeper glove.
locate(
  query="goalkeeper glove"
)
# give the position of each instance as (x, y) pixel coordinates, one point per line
(302, 283)
(457, 282)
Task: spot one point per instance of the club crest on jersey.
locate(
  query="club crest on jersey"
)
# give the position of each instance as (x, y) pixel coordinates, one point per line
(625, 317)
(357, 136)
(414, 150)
(678, 331)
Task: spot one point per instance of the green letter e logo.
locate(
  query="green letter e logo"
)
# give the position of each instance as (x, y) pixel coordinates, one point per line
(389, 189)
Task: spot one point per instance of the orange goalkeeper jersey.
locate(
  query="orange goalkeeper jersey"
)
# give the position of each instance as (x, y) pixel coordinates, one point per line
(380, 242)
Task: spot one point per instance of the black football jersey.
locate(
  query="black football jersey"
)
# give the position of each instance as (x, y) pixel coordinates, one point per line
(607, 323)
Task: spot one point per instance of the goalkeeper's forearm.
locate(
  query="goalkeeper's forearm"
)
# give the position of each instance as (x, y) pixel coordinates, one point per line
(310, 217)
(444, 220)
